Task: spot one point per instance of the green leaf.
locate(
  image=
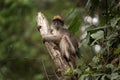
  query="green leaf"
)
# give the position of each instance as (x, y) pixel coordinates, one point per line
(84, 77)
(117, 51)
(98, 78)
(86, 40)
(103, 77)
(95, 59)
(75, 24)
(92, 29)
(115, 76)
(69, 71)
(114, 21)
(98, 35)
(109, 68)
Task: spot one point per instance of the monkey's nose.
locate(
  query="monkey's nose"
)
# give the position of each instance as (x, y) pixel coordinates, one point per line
(38, 28)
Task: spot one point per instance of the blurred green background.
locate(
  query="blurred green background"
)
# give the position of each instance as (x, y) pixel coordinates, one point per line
(23, 56)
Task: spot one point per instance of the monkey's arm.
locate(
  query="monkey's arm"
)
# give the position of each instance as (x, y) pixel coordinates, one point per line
(70, 40)
(51, 38)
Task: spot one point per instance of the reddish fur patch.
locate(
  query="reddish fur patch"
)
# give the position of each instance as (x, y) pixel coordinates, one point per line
(57, 17)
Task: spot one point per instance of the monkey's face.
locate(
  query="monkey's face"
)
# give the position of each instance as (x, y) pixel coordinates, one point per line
(56, 23)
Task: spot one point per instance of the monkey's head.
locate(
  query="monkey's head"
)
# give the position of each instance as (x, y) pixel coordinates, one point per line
(57, 22)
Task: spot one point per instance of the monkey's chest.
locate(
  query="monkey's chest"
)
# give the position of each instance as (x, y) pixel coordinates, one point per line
(56, 33)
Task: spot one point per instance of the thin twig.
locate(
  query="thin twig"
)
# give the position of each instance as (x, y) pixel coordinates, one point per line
(56, 74)
(106, 15)
(45, 70)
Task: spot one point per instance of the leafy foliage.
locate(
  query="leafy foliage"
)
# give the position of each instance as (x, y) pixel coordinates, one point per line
(105, 65)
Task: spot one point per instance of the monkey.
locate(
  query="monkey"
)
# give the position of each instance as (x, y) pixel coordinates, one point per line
(62, 37)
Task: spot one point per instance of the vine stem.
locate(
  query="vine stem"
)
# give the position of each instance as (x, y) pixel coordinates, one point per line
(107, 15)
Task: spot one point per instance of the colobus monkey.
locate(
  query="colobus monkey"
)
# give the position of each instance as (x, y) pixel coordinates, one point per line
(62, 37)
